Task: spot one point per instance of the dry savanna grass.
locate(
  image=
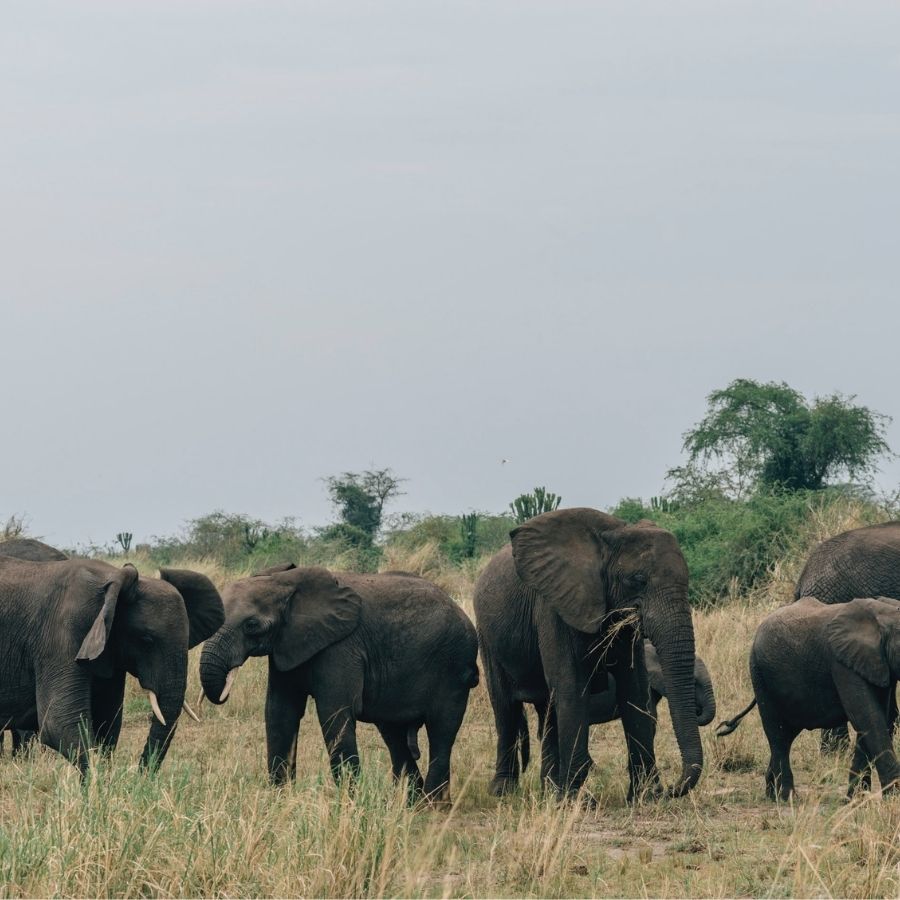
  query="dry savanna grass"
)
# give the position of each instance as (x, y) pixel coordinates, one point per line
(209, 825)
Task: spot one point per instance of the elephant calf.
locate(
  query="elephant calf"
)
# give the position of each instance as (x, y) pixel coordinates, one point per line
(815, 665)
(392, 649)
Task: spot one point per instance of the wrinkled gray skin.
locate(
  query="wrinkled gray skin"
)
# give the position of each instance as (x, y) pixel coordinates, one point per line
(552, 616)
(862, 562)
(36, 551)
(70, 630)
(815, 665)
(391, 649)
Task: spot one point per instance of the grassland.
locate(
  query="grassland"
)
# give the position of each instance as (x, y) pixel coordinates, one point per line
(209, 825)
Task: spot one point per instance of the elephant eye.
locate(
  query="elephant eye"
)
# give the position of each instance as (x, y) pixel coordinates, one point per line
(638, 578)
(253, 626)
(146, 639)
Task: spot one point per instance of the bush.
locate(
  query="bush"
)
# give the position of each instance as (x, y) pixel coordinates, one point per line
(490, 534)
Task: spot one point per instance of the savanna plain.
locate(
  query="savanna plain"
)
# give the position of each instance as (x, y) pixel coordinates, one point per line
(208, 824)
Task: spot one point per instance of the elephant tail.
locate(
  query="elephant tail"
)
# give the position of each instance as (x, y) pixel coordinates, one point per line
(412, 741)
(524, 739)
(729, 725)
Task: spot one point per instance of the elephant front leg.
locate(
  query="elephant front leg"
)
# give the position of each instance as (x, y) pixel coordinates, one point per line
(572, 729)
(867, 708)
(107, 695)
(639, 726)
(64, 715)
(339, 730)
(285, 706)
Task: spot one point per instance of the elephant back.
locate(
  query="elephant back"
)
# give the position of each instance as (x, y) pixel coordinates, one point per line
(31, 550)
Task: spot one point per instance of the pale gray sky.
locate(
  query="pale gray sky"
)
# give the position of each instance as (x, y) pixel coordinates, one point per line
(247, 244)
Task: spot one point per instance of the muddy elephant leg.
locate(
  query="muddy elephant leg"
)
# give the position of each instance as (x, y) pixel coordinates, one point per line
(442, 726)
(285, 706)
(107, 695)
(403, 765)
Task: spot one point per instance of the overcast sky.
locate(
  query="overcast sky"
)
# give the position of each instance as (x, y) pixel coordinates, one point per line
(246, 245)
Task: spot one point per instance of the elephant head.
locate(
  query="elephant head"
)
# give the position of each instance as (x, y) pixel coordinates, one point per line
(288, 613)
(590, 567)
(146, 626)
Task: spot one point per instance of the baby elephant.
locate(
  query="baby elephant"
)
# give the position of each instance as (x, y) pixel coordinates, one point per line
(392, 649)
(815, 665)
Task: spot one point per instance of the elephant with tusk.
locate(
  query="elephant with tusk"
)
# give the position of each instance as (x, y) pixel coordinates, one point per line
(80, 626)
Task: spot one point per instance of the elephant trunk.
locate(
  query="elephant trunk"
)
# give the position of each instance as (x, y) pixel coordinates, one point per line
(219, 658)
(164, 719)
(705, 697)
(672, 635)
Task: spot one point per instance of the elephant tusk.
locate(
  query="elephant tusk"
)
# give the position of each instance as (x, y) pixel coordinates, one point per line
(229, 681)
(154, 705)
(201, 698)
(190, 712)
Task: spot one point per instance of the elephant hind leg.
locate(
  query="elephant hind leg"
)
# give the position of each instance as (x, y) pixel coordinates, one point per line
(403, 764)
(442, 725)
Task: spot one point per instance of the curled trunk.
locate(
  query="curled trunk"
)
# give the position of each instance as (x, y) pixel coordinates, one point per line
(216, 661)
(704, 695)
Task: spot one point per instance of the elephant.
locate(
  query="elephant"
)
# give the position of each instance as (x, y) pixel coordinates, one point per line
(561, 606)
(31, 549)
(815, 665)
(862, 562)
(71, 629)
(391, 649)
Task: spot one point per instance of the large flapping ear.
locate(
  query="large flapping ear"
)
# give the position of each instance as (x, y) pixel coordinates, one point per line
(320, 611)
(94, 642)
(560, 555)
(855, 637)
(201, 600)
(274, 570)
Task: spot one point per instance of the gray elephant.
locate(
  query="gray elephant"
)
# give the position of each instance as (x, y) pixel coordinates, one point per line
(71, 629)
(815, 665)
(563, 606)
(862, 562)
(391, 649)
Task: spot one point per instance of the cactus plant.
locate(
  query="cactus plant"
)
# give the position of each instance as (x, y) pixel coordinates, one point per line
(527, 506)
(468, 530)
(124, 538)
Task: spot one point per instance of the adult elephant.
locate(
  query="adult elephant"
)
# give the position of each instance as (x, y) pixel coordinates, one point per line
(391, 649)
(862, 562)
(30, 548)
(563, 605)
(70, 630)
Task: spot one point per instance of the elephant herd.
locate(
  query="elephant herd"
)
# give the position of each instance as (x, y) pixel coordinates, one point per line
(582, 615)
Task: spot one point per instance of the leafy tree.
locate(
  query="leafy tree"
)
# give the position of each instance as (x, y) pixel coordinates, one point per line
(527, 506)
(360, 498)
(769, 435)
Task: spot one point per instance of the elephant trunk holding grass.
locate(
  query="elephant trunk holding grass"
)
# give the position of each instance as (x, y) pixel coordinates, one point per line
(71, 629)
(391, 649)
(563, 606)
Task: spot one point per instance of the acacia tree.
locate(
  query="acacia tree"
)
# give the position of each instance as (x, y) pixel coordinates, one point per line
(769, 435)
(360, 498)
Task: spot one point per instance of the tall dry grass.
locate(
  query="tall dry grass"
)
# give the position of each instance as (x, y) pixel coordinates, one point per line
(209, 825)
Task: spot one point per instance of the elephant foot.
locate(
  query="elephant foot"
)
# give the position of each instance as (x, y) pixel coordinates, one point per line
(502, 785)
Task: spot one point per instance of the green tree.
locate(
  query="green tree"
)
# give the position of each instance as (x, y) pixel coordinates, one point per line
(769, 435)
(360, 498)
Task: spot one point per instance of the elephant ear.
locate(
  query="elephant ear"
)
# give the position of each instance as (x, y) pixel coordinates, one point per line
(274, 570)
(94, 642)
(855, 637)
(201, 600)
(560, 555)
(320, 611)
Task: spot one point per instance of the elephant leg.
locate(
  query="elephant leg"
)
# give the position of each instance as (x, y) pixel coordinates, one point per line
(285, 706)
(442, 726)
(107, 695)
(339, 730)
(860, 769)
(780, 735)
(867, 709)
(507, 716)
(403, 765)
(64, 715)
(639, 726)
(834, 740)
(549, 747)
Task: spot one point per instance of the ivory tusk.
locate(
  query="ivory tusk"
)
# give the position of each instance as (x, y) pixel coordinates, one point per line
(154, 705)
(229, 681)
(190, 712)
(201, 698)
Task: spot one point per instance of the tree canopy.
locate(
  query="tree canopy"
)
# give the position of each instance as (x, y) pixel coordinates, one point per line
(359, 498)
(769, 435)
